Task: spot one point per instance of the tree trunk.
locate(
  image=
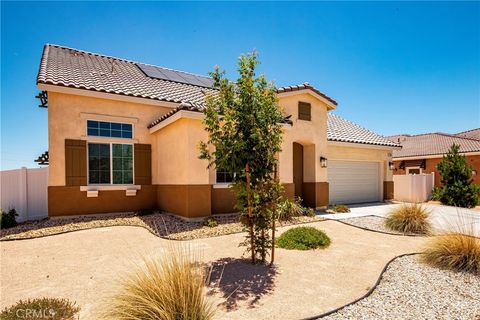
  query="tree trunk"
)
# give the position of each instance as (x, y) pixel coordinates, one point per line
(274, 218)
(250, 212)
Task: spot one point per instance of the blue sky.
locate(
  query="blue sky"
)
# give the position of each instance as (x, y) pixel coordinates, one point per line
(393, 67)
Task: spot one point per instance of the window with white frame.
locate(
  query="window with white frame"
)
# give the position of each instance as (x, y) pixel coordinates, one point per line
(110, 163)
(222, 176)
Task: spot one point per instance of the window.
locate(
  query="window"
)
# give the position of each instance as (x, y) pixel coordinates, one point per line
(414, 170)
(223, 176)
(304, 111)
(109, 129)
(110, 163)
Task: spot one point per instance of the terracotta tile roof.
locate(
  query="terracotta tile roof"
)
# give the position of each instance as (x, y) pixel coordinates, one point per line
(433, 144)
(73, 68)
(340, 129)
(189, 107)
(472, 134)
(304, 86)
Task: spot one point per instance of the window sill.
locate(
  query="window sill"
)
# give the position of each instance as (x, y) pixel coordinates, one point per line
(100, 187)
(222, 185)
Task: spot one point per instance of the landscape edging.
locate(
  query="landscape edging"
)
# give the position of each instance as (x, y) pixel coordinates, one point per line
(369, 292)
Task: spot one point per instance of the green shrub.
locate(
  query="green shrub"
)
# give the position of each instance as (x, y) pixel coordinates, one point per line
(41, 308)
(458, 188)
(171, 288)
(303, 238)
(409, 218)
(289, 209)
(7, 219)
(437, 193)
(340, 208)
(309, 212)
(210, 222)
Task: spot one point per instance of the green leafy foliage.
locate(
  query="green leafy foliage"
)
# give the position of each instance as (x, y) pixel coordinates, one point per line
(41, 308)
(309, 212)
(210, 222)
(288, 209)
(303, 238)
(8, 219)
(458, 188)
(340, 208)
(244, 123)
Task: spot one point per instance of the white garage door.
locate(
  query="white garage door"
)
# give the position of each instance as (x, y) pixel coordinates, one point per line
(353, 181)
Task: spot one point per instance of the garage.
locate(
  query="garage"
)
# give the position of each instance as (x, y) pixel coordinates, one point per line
(353, 182)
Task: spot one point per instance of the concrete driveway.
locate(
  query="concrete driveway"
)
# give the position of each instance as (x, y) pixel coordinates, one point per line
(443, 218)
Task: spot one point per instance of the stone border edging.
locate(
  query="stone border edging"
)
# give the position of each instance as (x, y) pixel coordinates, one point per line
(378, 231)
(369, 292)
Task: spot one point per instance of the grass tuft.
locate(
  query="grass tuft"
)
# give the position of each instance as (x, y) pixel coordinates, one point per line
(454, 251)
(41, 308)
(172, 288)
(409, 218)
(340, 208)
(303, 238)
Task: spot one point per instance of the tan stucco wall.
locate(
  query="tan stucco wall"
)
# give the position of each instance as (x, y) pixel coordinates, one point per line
(362, 154)
(65, 121)
(177, 159)
(311, 134)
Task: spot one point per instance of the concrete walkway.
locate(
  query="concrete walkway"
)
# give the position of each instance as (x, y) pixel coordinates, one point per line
(85, 266)
(443, 218)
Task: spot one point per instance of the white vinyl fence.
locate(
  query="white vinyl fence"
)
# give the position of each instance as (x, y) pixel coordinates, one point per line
(413, 187)
(26, 191)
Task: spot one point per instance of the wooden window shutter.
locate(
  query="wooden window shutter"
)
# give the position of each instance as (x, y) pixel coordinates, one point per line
(304, 111)
(75, 162)
(142, 157)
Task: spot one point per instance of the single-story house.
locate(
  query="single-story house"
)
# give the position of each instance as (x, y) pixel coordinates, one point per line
(124, 136)
(421, 153)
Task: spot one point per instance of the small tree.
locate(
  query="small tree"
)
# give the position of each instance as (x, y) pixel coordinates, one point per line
(244, 122)
(457, 188)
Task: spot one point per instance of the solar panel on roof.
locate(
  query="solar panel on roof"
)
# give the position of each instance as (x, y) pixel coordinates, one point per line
(176, 76)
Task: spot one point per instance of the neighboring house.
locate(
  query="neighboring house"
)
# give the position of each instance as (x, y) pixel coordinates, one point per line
(124, 136)
(472, 134)
(421, 153)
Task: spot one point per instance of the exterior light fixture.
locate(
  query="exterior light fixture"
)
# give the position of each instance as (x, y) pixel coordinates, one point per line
(474, 173)
(391, 165)
(323, 162)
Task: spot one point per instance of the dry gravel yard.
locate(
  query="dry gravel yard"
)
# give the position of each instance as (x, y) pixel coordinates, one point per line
(161, 224)
(83, 266)
(410, 289)
(373, 223)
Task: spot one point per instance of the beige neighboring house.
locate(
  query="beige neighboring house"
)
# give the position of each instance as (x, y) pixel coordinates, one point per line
(124, 136)
(421, 153)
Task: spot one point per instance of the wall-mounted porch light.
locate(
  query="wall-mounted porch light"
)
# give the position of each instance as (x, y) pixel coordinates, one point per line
(391, 165)
(323, 162)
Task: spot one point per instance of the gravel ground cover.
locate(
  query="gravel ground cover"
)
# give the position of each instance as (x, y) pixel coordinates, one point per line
(373, 223)
(410, 289)
(161, 224)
